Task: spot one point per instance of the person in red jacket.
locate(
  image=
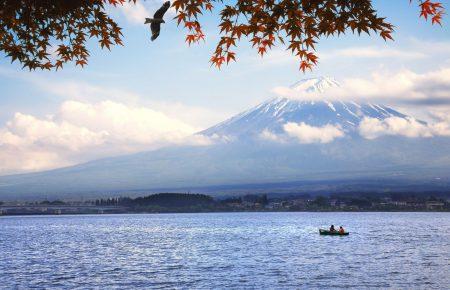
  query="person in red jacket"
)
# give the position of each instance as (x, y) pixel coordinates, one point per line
(341, 230)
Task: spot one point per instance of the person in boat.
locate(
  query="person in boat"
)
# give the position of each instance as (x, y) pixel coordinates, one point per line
(332, 229)
(341, 230)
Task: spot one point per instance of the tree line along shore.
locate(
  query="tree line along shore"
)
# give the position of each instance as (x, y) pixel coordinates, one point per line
(186, 202)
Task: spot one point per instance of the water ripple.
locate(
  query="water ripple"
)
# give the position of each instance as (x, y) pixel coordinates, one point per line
(229, 250)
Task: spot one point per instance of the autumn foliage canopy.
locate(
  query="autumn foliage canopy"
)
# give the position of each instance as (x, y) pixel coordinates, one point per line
(46, 34)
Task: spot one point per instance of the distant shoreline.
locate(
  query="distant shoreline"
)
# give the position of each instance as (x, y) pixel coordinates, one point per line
(200, 203)
(51, 212)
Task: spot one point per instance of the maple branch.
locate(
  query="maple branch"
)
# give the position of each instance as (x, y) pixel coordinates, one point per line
(31, 27)
(302, 22)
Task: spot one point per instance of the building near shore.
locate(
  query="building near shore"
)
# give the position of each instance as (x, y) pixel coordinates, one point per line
(434, 205)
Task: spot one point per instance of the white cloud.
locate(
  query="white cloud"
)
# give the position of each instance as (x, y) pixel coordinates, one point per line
(303, 133)
(19, 159)
(138, 124)
(372, 128)
(82, 131)
(441, 128)
(266, 134)
(307, 134)
(25, 130)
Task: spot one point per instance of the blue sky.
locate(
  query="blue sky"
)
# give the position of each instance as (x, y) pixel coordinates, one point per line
(169, 77)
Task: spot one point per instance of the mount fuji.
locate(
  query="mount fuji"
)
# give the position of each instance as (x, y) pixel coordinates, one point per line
(273, 114)
(283, 144)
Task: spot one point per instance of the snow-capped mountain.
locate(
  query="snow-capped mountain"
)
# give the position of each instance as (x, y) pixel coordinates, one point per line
(245, 158)
(274, 113)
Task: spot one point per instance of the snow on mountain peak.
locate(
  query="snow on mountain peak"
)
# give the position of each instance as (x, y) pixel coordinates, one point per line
(274, 113)
(315, 85)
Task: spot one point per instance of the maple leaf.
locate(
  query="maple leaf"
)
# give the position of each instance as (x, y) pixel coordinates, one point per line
(386, 35)
(305, 65)
(81, 62)
(190, 38)
(231, 56)
(262, 50)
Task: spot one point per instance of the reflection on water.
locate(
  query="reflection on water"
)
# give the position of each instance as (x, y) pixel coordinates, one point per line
(217, 250)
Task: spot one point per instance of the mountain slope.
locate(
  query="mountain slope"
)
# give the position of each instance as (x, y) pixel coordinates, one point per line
(184, 168)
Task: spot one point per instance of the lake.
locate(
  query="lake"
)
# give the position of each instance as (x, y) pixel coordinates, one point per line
(225, 250)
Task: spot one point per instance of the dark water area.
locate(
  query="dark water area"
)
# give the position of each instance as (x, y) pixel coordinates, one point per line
(225, 250)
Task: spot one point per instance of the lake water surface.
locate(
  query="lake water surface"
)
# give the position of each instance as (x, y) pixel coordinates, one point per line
(225, 250)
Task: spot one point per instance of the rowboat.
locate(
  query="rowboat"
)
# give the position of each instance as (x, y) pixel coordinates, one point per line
(335, 233)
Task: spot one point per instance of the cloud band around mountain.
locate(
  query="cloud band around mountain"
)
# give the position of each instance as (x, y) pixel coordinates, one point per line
(368, 128)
